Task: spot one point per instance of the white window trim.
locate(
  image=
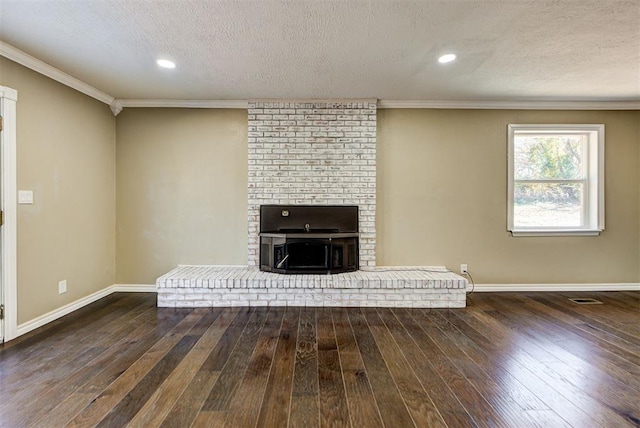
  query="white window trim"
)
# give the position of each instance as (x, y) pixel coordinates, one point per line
(594, 195)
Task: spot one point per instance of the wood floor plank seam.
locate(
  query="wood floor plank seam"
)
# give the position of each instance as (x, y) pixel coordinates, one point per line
(185, 410)
(416, 399)
(155, 409)
(602, 318)
(385, 389)
(415, 332)
(332, 395)
(136, 398)
(620, 366)
(472, 398)
(571, 391)
(131, 403)
(271, 365)
(105, 376)
(86, 374)
(49, 330)
(226, 385)
(106, 400)
(284, 360)
(524, 401)
(28, 358)
(75, 369)
(498, 408)
(293, 372)
(478, 349)
(451, 409)
(305, 407)
(341, 368)
(550, 395)
(360, 385)
(251, 388)
(595, 325)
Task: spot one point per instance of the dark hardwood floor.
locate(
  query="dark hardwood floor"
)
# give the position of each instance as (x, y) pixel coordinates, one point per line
(507, 360)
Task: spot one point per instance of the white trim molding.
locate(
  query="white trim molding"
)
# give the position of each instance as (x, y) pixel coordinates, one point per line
(511, 105)
(567, 232)
(78, 304)
(116, 107)
(314, 100)
(135, 288)
(62, 311)
(506, 288)
(9, 206)
(8, 93)
(23, 58)
(392, 104)
(233, 104)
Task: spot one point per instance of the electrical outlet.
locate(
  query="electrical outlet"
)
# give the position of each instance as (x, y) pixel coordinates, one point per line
(62, 286)
(463, 268)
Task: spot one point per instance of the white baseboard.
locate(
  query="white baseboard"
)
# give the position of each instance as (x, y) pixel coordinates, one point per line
(60, 312)
(490, 288)
(80, 303)
(135, 288)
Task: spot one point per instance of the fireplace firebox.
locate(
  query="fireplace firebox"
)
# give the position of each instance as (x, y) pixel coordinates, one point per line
(299, 239)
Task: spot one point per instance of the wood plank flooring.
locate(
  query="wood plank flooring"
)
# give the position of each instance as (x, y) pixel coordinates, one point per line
(507, 360)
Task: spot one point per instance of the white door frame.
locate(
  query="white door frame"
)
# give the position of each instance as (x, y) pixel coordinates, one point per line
(8, 204)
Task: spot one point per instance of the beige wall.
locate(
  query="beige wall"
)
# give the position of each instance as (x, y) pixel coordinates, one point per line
(441, 195)
(442, 198)
(181, 190)
(66, 155)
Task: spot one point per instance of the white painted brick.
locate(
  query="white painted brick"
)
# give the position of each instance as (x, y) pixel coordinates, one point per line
(311, 138)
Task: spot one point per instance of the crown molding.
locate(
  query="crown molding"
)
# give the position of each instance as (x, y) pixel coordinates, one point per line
(116, 107)
(23, 58)
(236, 104)
(393, 104)
(313, 100)
(511, 105)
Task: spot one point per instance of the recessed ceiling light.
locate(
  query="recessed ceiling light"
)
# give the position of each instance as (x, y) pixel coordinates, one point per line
(165, 63)
(447, 58)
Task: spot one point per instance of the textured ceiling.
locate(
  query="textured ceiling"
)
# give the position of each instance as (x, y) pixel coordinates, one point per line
(508, 50)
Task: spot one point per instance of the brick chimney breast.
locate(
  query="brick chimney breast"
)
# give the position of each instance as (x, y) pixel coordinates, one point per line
(313, 153)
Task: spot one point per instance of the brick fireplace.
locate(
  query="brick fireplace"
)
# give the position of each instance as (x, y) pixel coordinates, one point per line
(313, 153)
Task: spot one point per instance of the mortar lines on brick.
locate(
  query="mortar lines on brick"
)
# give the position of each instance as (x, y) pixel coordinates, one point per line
(313, 153)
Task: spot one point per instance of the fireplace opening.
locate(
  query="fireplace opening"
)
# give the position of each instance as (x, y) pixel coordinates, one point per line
(298, 239)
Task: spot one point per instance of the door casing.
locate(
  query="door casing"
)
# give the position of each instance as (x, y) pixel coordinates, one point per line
(8, 205)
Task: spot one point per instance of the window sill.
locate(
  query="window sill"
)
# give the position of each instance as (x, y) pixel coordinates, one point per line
(565, 232)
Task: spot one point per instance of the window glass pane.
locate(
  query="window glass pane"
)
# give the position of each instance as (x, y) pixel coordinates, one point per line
(548, 157)
(548, 205)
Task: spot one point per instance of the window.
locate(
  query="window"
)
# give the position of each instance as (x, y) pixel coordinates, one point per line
(556, 180)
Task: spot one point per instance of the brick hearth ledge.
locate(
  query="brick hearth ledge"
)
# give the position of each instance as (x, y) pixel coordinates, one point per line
(410, 287)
